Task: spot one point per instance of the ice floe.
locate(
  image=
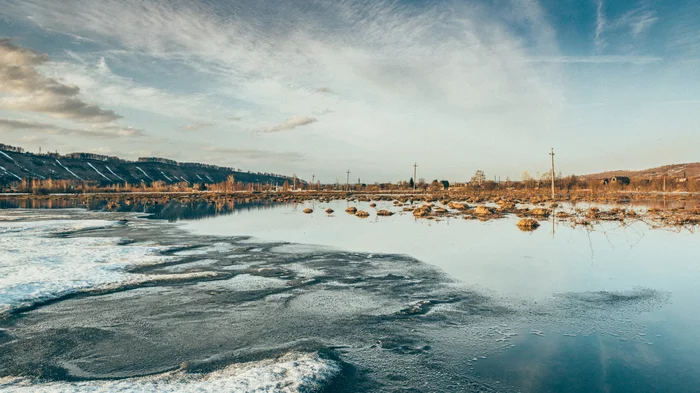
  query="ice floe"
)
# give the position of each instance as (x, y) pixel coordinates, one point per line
(293, 372)
(38, 266)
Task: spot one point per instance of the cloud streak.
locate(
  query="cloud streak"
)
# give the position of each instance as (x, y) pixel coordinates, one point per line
(197, 126)
(254, 154)
(96, 131)
(289, 124)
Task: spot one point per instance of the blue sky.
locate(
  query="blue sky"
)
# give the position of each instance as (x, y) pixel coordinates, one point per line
(317, 87)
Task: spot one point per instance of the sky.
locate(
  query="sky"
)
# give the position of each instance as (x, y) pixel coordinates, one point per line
(319, 87)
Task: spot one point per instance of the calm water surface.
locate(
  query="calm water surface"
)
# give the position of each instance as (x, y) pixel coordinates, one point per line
(662, 353)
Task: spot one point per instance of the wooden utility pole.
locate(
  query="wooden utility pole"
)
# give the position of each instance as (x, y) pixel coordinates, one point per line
(415, 167)
(552, 154)
(347, 181)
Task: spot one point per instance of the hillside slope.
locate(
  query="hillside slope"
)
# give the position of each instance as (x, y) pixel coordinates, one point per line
(690, 170)
(17, 165)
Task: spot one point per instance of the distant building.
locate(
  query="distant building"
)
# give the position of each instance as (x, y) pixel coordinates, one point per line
(621, 180)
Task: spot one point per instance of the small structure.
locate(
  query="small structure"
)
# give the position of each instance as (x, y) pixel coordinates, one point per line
(621, 180)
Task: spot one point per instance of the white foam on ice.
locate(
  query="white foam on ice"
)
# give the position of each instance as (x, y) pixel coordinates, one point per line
(214, 247)
(190, 265)
(98, 172)
(298, 248)
(245, 282)
(36, 267)
(293, 372)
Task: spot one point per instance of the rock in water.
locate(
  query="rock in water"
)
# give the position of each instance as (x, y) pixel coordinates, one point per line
(362, 214)
(528, 224)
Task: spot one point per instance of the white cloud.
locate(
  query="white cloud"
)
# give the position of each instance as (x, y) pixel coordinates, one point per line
(394, 71)
(27, 90)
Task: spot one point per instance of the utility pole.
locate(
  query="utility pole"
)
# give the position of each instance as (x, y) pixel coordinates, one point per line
(347, 181)
(552, 154)
(313, 177)
(415, 180)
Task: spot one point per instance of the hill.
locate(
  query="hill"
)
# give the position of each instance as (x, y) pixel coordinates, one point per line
(16, 164)
(677, 171)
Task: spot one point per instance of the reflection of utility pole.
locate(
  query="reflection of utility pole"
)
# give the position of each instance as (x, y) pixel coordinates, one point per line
(552, 154)
(553, 211)
(415, 166)
(347, 181)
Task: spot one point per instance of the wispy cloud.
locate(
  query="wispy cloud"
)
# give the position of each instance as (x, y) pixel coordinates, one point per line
(95, 131)
(634, 22)
(197, 126)
(291, 123)
(609, 59)
(254, 154)
(600, 25)
(389, 70)
(27, 90)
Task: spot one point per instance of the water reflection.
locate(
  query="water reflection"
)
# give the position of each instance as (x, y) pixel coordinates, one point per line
(171, 210)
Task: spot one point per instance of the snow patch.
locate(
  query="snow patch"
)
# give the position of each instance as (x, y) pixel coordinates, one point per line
(114, 174)
(5, 154)
(10, 173)
(69, 171)
(98, 172)
(144, 173)
(166, 176)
